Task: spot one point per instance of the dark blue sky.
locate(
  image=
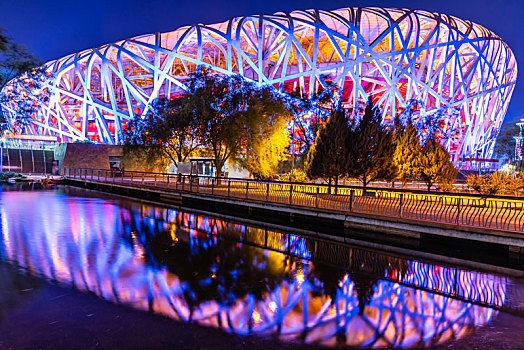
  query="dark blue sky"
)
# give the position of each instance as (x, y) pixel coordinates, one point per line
(54, 28)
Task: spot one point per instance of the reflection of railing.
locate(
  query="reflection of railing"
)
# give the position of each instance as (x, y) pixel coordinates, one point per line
(96, 245)
(503, 213)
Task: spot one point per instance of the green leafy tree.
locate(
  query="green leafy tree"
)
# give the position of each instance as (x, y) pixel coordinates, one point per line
(169, 125)
(407, 152)
(372, 149)
(233, 114)
(435, 164)
(265, 143)
(328, 158)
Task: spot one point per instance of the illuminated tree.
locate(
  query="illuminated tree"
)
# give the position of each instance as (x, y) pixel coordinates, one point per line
(309, 114)
(435, 164)
(213, 267)
(233, 115)
(169, 125)
(263, 155)
(372, 148)
(328, 158)
(407, 152)
(495, 183)
(17, 66)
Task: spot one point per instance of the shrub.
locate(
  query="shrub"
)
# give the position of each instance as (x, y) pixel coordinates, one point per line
(295, 175)
(8, 175)
(488, 184)
(514, 184)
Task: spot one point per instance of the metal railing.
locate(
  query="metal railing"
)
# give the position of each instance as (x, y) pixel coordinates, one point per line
(493, 212)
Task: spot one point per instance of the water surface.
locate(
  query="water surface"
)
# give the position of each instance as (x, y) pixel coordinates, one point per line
(240, 278)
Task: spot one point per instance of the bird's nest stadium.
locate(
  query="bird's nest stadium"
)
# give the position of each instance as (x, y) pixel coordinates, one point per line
(414, 63)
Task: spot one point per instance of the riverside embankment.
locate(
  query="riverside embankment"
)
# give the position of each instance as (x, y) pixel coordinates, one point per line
(487, 229)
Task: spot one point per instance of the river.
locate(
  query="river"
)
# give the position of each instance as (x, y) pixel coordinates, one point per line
(242, 279)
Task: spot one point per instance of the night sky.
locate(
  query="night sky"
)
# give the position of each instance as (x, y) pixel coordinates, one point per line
(54, 28)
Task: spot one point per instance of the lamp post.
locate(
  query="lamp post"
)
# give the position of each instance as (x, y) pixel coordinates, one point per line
(293, 146)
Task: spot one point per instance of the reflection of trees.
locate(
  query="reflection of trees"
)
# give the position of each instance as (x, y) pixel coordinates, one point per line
(210, 267)
(365, 287)
(332, 262)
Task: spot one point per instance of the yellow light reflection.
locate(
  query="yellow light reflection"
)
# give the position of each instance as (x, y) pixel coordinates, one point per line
(256, 317)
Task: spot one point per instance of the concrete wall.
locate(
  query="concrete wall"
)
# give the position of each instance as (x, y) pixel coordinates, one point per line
(85, 155)
(144, 158)
(133, 158)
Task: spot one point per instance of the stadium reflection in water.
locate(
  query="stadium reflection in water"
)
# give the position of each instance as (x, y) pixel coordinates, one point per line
(243, 279)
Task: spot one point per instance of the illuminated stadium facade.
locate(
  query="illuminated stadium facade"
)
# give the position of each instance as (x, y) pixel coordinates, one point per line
(415, 64)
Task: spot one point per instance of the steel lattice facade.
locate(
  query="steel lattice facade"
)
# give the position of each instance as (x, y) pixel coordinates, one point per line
(424, 65)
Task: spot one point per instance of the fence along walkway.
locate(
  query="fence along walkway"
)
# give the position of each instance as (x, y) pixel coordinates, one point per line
(492, 212)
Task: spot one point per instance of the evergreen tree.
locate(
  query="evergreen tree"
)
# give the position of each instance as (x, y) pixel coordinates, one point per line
(407, 152)
(505, 144)
(328, 157)
(372, 149)
(435, 163)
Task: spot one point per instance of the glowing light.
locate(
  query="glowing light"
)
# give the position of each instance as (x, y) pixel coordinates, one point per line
(173, 234)
(256, 317)
(272, 306)
(398, 312)
(300, 277)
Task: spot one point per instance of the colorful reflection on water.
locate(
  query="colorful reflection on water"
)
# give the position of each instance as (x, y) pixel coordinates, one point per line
(243, 279)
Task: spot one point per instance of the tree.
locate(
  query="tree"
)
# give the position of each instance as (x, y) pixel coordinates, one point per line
(263, 155)
(295, 175)
(328, 157)
(234, 115)
(505, 144)
(20, 83)
(515, 183)
(209, 267)
(309, 114)
(435, 163)
(407, 152)
(372, 149)
(169, 125)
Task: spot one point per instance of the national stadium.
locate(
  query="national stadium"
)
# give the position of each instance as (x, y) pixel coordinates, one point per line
(415, 64)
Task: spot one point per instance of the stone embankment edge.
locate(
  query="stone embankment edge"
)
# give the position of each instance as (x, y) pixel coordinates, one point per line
(328, 222)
